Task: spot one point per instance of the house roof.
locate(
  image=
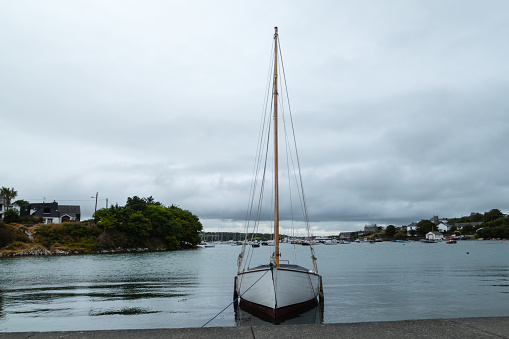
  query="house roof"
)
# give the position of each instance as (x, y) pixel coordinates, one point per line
(48, 209)
(52, 209)
(69, 209)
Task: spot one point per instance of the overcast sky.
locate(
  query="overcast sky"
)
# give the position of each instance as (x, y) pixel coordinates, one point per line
(401, 108)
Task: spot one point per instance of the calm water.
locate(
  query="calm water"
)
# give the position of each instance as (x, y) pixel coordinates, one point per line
(362, 282)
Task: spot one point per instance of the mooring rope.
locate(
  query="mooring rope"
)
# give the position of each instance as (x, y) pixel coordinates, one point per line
(237, 298)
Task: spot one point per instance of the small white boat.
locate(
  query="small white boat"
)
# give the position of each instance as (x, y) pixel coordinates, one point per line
(206, 245)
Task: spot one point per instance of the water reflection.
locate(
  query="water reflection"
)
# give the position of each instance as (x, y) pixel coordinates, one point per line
(94, 292)
(2, 313)
(104, 292)
(122, 311)
(387, 281)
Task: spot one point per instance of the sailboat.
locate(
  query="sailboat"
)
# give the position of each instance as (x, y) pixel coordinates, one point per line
(276, 290)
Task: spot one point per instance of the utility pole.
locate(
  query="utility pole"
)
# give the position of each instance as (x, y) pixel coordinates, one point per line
(106, 202)
(96, 194)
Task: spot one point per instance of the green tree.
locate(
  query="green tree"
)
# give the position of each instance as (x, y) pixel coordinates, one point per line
(498, 228)
(494, 214)
(6, 235)
(467, 229)
(139, 227)
(163, 220)
(107, 218)
(190, 227)
(400, 234)
(390, 231)
(476, 217)
(8, 194)
(424, 226)
(11, 215)
(136, 204)
(144, 220)
(498, 231)
(21, 202)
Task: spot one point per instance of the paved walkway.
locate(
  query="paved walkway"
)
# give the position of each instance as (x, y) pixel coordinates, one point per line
(463, 328)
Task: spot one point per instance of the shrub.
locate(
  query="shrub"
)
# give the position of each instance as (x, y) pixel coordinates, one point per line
(6, 235)
(30, 220)
(11, 215)
(15, 245)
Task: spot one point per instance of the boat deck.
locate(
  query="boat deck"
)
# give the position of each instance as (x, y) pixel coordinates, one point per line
(283, 266)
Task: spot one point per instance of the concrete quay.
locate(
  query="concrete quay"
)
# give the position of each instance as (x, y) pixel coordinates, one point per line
(464, 328)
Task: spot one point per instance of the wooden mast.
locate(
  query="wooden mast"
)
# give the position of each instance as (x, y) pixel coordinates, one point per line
(276, 184)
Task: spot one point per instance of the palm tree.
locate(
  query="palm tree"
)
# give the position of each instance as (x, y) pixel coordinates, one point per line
(8, 194)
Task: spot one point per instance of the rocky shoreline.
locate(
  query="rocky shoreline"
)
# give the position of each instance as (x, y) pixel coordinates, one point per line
(43, 251)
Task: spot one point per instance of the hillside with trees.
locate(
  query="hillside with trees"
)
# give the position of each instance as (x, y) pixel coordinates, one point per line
(142, 224)
(492, 224)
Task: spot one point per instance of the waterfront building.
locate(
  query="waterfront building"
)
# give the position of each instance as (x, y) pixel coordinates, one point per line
(52, 212)
(435, 235)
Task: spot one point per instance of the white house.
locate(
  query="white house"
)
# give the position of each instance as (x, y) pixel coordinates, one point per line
(4, 207)
(52, 212)
(434, 236)
(443, 227)
(410, 228)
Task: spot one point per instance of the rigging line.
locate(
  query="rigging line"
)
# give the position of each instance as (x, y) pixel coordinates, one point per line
(284, 84)
(257, 162)
(263, 123)
(255, 179)
(262, 143)
(263, 118)
(301, 199)
(306, 215)
(236, 299)
(294, 139)
(262, 187)
(289, 154)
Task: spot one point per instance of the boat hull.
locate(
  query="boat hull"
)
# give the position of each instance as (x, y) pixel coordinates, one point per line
(278, 292)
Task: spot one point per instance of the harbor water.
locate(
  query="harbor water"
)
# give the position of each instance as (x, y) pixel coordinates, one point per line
(362, 282)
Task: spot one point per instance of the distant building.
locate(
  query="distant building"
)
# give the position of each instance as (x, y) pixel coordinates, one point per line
(69, 213)
(370, 228)
(4, 207)
(345, 235)
(434, 235)
(443, 227)
(459, 225)
(52, 212)
(411, 229)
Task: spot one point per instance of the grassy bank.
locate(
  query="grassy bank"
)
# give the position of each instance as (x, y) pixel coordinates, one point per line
(70, 238)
